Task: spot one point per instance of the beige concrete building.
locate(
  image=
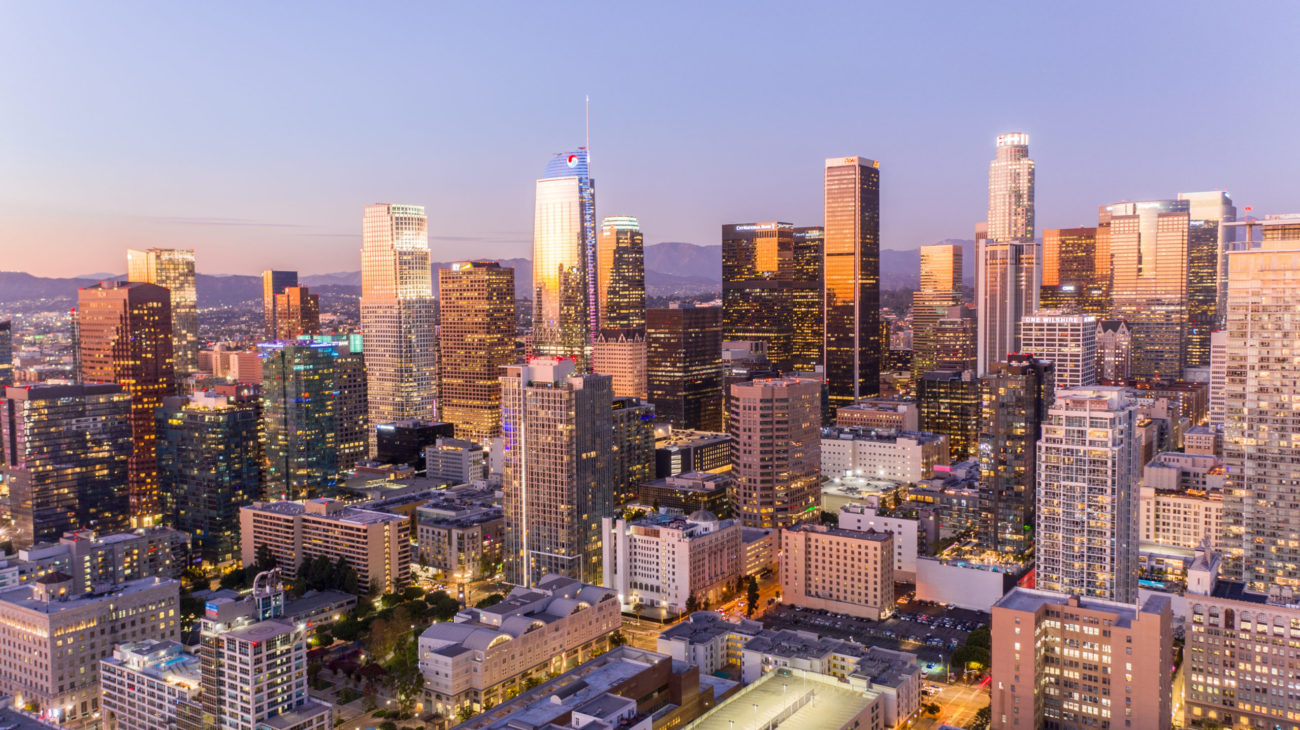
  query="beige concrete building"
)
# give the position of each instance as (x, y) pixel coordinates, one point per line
(842, 571)
(142, 683)
(899, 456)
(862, 517)
(1065, 662)
(621, 356)
(375, 544)
(459, 540)
(777, 450)
(1181, 502)
(663, 560)
(880, 413)
(485, 654)
(52, 639)
(1068, 340)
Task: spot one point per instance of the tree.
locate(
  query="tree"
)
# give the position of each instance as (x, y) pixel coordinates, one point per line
(486, 566)
(830, 518)
(751, 596)
(324, 638)
(617, 639)
(442, 607)
(412, 592)
(491, 600)
(982, 718)
(980, 637)
(265, 560)
(404, 678)
(466, 713)
(692, 604)
(638, 608)
(931, 708)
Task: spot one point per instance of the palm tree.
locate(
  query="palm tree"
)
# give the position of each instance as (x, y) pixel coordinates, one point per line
(638, 608)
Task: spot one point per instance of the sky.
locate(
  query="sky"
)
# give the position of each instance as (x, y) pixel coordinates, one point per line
(256, 132)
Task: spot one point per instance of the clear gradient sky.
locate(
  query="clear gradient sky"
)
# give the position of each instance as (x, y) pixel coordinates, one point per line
(255, 132)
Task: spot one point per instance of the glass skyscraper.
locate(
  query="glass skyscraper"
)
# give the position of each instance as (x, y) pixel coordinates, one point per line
(299, 395)
(620, 281)
(173, 269)
(1008, 265)
(851, 271)
(566, 308)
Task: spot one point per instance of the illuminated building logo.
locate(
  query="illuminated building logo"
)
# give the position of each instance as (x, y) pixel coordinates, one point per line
(573, 160)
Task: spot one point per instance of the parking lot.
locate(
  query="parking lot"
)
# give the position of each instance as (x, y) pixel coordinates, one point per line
(931, 631)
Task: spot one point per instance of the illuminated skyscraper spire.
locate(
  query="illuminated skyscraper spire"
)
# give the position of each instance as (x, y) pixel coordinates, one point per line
(565, 307)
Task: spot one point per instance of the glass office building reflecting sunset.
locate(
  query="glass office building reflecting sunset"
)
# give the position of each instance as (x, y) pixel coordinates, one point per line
(565, 306)
(852, 279)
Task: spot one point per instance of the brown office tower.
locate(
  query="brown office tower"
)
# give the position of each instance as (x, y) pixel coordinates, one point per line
(955, 338)
(620, 272)
(950, 405)
(806, 299)
(297, 313)
(1014, 398)
(274, 282)
(776, 427)
(1074, 279)
(684, 366)
(851, 275)
(476, 339)
(941, 266)
(126, 338)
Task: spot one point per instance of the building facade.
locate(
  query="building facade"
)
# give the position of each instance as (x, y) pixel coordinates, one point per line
(852, 348)
(949, 403)
(298, 419)
(1069, 341)
(565, 302)
(620, 277)
(777, 451)
(1014, 398)
(898, 456)
(941, 290)
(476, 339)
(622, 356)
(297, 313)
(274, 282)
(841, 571)
(141, 684)
(670, 561)
(684, 366)
(172, 269)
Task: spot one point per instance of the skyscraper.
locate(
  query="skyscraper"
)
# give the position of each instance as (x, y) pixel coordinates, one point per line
(125, 332)
(351, 416)
(622, 356)
(274, 282)
(1008, 262)
(1074, 277)
(297, 313)
(558, 481)
(397, 315)
(565, 305)
(1148, 244)
(65, 451)
(209, 465)
(851, 272)
(1068, 340)
(1215, 210)
(1086, 536)
(940, 291)
(1261, 421)
(806, 295)
(1013, 404)
(298, 419)
(173, 269)
(949, 400)
(684, 365)
(6, 353)
(776, 427)
(955, 338)
(757, 271)
(476, 339)
(632, 460)
(1202, 290)
(620, 280)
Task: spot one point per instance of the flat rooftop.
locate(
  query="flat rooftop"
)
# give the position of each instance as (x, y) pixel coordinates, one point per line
(1029, 599)
(827, 703)
(350, 515)
(23, 596)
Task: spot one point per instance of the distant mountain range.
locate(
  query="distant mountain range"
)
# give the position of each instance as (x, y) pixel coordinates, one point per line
(672, 269)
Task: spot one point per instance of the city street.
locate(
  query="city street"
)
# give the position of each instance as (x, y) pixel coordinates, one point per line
(960, 702)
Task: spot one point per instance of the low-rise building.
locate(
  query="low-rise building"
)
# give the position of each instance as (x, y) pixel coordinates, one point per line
(460, 539)
(887, 413)
(1181, 500)
(900, 456)
(142, 683)
(795, 698)
(485, 654)
(94, 561)
(838, 570)
(708, 641)
(1204, 440)
(667, 560)
(1070, 662)
(455, 461)
(52, 638)
(680, 450)
(863, 517)
(376, 544)
(691, 492)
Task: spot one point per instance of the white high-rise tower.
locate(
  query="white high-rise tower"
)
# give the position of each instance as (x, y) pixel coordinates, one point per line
(397, 314)
(1008, 262)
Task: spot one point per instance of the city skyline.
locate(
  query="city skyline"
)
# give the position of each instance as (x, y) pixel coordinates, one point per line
(276, 185)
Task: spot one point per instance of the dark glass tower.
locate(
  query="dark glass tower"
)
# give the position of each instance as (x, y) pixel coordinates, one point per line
(621, 276)
(299, 394)
(852, 279)
(1014, 398)
(757, 279)
(684, 366)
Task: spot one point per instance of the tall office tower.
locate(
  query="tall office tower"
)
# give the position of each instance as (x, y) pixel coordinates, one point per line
(1068, 340)
(1218, 375)
(1202, 290)
(253, 668)
(940, 292)
(632, 460)
(1114, 351)
(955, 338)
(558, 478)
(298, 419)
(851, 275)
(1070, 272)
(65, 451)
(476, 339)
(806, 299)
(1261, 430)
(1013, 404)
(297, 313)
(622, 356)
(1008, 264)
(776, 427)
(1149, 282)
(397, 315)
(172, 269)
(565, 306)
(125, 332)
(274, 282)
(209, 465)
(1089, 468)
(6, 353)
(684, 366)
(1215, 210)
(757, 259)
(949, 401)
(620, 275)
(350, 412)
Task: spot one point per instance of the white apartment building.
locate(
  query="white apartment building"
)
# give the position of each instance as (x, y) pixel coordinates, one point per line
(52, 639)
(377, 545)
(663, 560)
(1087, 496)
(898, 456)
(456, 461)
(141, 685)
(485, 653)
(1181, 501)
(1068, 340)
(861, 517)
